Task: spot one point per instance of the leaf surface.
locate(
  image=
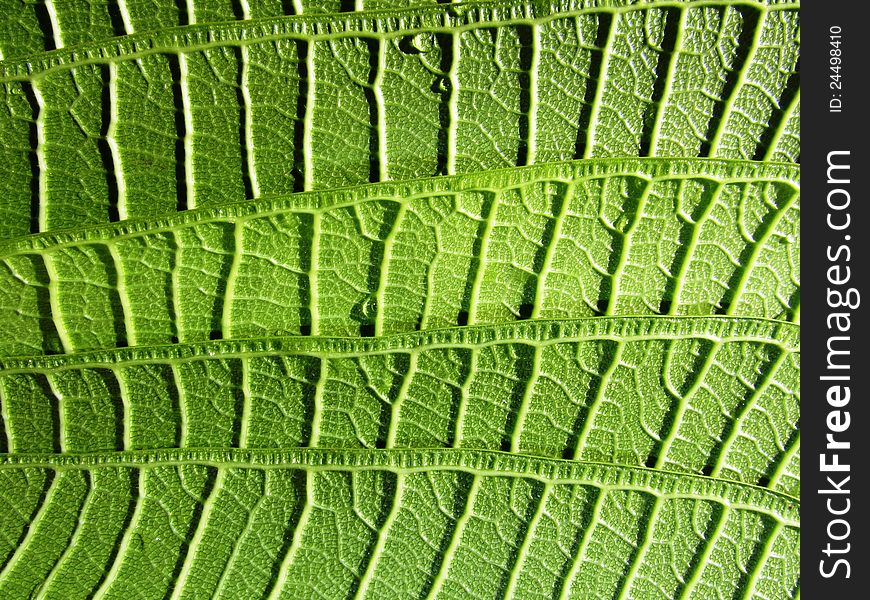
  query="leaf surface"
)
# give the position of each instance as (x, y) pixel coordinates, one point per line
(712, 395)
(386, 523)
(566, 240)
(150, 123)
(339, 436)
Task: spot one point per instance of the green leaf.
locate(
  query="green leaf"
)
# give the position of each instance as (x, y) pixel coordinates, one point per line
(422, 462)
(562, 240)
(713, 395)
(143, 125)
(383, 523)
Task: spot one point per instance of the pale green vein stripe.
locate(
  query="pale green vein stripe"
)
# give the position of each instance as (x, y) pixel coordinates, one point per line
(625, 249)
(387, 266)
(758, 568)
(525, 402)
(625, 592)
(736, 429)
(728, 171)
(381, 106)
(247, 403)
(670, 79)
(4, 416)
(126, 407)
(781, 334)
(550, 253)
(666, 373)
(337, 199)
(55, 25)
(32, 528)
(187, 112)
(534, 70)
(126, 19)
(196, 543)
(213, 35)
(126, 540)
(683, 402)
(308, 120)
(368, 576)
(482, 260)
(680, 277)
(61, 413)
(784, 463)
(453, 104)
(475, 462)
(728, 109)
(247, 109)
(123, 295)
(42, 178)
(44, 589)
(525, 547)
(317, 409)
(455, 540)
(598, 101)
(175, 280)
(396, 409)
(704, 559)
(183, 407)
(55, 305)
(238, 541)
(600, 395)
(295, 546)
(112, 141)
(759, 246)
(464, 399)
(232, 276)
(313, 270)
(791, 111)
(383, 534)
(582, 547)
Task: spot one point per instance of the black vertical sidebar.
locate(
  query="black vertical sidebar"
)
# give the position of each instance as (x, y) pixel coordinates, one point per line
(835, 346)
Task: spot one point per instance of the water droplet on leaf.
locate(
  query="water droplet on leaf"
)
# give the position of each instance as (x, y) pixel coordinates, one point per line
(370, 308)
(423, 42)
